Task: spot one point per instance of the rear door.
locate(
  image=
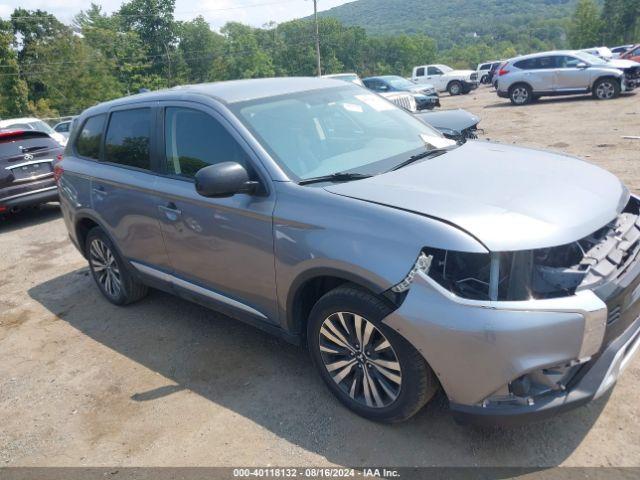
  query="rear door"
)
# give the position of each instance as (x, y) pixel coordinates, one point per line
(539, 72)
(220, 248)
(123, 186)
(568, 76)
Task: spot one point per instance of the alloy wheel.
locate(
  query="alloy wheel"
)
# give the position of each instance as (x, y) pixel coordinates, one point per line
(454, 89)
(605, 90)
(105, 268)
(520, 95)
(360, 359)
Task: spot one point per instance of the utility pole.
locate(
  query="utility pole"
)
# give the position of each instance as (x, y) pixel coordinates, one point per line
(315, 16)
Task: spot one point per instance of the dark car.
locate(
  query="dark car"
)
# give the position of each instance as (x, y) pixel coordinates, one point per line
(26, 169)
(458, 125)
(426, 95)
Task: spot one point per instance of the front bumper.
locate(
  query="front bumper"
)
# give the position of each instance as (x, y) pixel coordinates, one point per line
(427, 102)
(478, 349)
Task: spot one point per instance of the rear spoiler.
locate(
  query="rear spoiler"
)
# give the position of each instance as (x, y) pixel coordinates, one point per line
(7, 135)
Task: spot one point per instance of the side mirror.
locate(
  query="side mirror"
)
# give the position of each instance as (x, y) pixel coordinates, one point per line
(223, 180)
(582, 65)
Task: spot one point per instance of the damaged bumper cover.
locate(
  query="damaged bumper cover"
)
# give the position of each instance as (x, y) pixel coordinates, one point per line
(506, 361)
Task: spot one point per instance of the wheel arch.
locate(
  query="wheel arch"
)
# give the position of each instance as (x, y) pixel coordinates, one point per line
(83, 225)
(520, 82)
(311, 285)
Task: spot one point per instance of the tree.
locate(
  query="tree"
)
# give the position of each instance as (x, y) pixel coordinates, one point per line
(243, 56)
(14, 94)
(586, 26)
(621, 20)
(199, 47)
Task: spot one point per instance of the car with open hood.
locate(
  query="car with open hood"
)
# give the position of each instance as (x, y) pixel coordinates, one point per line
(508, 278)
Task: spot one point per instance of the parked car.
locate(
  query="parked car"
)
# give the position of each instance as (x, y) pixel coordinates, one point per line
(620, 50)
(527, 78)
(632, 54)
(601, 52)
(445, 78)
(64, 127)
(458, 125)
(405, 262)
(484, 71)
(425, 96)
(30, 123)
(26, 172)
(404, 100)
(494, 73)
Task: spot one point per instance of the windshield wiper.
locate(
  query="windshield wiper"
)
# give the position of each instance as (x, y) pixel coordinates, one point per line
(335, 177)
(426, 154)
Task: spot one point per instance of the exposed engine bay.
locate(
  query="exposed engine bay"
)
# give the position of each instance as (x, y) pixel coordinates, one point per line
(543, 273)
(632, 77)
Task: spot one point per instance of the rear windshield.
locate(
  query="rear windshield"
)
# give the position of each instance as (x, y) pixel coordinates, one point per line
(30, 142)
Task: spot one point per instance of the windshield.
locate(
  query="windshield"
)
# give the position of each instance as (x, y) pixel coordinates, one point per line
(445, 69)
(321, 132)
(591, 59)
(400, 83)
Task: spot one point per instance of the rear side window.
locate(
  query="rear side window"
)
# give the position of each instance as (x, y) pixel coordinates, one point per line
(539, 63)
(194, 139)
(90, 137)
(128, 138)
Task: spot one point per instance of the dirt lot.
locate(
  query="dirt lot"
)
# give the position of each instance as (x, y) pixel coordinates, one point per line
(165, 382)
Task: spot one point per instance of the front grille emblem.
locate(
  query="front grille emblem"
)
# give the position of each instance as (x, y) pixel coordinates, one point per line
(28, 156)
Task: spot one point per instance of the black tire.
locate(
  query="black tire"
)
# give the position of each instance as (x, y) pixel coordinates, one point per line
(485, 79)
(606, 88)
(98, 245)
(418, 382)
(520, 94)
(454, 88)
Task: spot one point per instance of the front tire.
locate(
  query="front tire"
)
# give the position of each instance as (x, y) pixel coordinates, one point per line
(367, 365)
(454, 88)
(520, 94)
(606, 89)
(109, 271)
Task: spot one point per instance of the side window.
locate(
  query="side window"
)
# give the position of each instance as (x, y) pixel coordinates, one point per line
(374, 85)
(545, 63)
(420, 72)
(128, 136)
(194, 139)
(565, 61)
(434, 71)
(485, 66)
(90, 138)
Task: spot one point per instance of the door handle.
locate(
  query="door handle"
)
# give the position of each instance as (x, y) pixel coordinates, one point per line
(171, 211)
(99, 190)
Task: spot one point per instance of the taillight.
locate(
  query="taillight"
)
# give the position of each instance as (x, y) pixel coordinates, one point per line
(503, 71)
(57, 168)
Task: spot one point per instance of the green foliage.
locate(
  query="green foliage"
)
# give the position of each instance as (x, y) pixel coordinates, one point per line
(622, 21)
(13, 89)
(586, 26)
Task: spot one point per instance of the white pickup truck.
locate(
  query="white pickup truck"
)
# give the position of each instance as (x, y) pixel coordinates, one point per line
(445, 78)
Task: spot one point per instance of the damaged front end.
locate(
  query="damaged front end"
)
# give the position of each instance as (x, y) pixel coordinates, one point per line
(527, 331)
(542, 273)
(631, 78)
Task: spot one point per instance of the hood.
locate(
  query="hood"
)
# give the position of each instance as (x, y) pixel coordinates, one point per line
(457, 120)
(622, 63)
(509, 198)
(421, 88)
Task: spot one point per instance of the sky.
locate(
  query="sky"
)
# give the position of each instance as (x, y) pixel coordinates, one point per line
(217, 12)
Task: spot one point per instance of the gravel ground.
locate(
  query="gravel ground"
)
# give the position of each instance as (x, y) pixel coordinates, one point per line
(168, 383)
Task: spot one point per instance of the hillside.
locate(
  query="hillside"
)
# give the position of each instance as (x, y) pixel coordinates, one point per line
(459, 21)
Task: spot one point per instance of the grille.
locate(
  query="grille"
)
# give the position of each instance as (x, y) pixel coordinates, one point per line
(405, 101)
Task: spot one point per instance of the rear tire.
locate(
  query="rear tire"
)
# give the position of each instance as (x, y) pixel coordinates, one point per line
(520, 94)
(382, 376)
(606, 89)
(485, 79)
(454, 88)
(109, 271)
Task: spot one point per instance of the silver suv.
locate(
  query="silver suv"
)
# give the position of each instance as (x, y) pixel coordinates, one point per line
(527, 78)
(406, 263)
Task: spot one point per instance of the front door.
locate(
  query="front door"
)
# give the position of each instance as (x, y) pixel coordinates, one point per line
(569, 77)
(221, 248)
